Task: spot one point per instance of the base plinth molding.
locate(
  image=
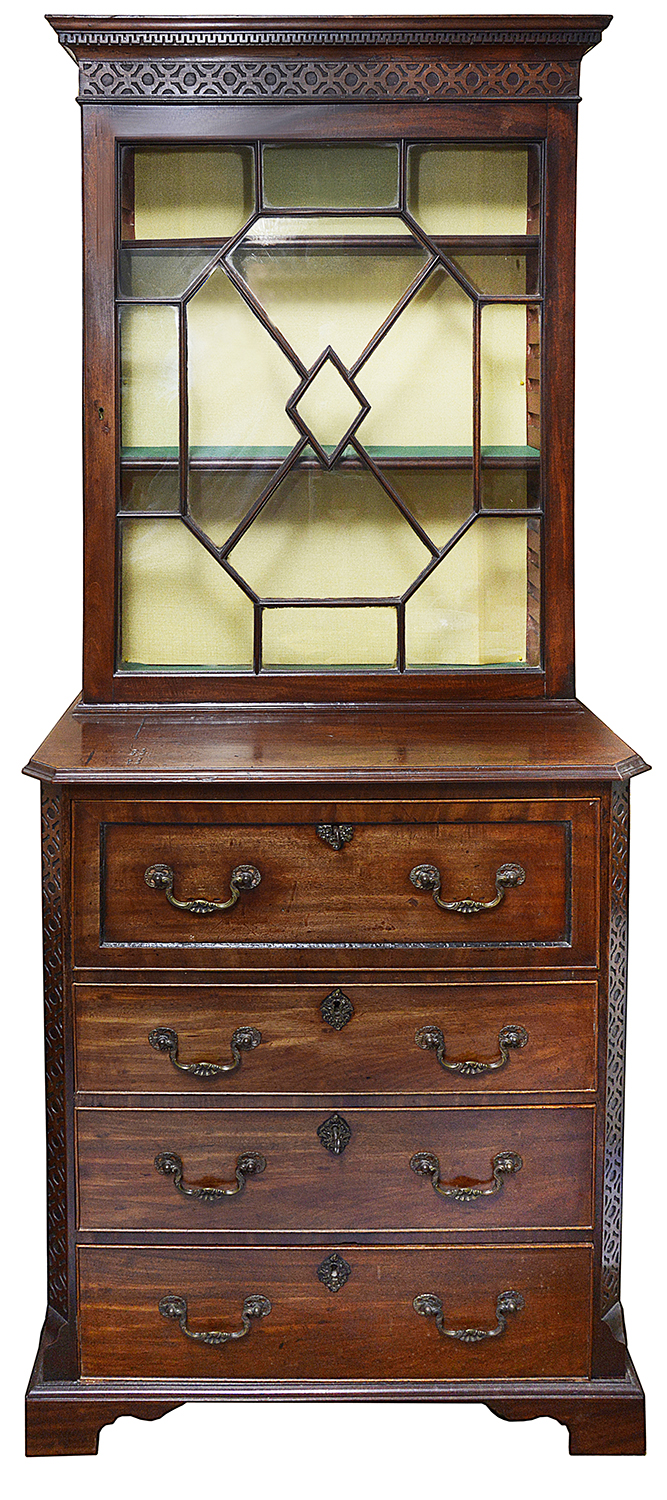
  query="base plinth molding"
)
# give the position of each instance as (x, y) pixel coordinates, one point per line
(602, 1416)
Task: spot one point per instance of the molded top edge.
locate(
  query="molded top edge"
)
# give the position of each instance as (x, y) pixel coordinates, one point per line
(386, 748)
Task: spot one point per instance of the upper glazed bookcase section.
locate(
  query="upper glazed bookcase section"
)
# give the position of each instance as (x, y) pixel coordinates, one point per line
(146, 58)
(334, 404)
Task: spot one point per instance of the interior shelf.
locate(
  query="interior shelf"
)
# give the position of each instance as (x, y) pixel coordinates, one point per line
(214, 458)
(483, 244)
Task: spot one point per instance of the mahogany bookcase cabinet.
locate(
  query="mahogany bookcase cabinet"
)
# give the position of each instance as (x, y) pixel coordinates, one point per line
(335, 864)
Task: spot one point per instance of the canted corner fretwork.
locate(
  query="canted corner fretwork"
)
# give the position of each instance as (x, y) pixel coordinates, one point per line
(617, 1001)
(56, 1152)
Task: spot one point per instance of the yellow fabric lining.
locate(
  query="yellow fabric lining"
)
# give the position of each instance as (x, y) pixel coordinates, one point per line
(472, 609)
(178, 606)
(418, 380)
(239, 380)
(318, 298)
(503, 375)
(330, 637)
(330, 176)
(330, 535)
(453, 190)
(191, 194)
(149, 377)
(497, 275)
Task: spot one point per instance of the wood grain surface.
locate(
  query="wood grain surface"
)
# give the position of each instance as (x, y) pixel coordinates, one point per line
(300, 1052)
(422, 742)
(304, 1186)
(361, 895)
(311, 1332)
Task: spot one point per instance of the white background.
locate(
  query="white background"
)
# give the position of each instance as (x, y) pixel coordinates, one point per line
(339, 1452)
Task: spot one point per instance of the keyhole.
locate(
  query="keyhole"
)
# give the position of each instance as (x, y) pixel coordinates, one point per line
(337, 1010)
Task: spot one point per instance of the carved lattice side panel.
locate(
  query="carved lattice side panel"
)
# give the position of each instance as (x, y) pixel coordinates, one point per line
(54, 1053)
(618, 951)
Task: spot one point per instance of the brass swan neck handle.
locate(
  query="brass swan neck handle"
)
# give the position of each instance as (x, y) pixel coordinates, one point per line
(171, 1165)
(510, 1038)
(243, 878)
(428, 878)
(244, 1039)
(430, 1306)
(426, 1164)
(176, 1307)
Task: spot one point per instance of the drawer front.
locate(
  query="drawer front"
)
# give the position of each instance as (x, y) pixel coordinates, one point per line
(366, 1328)
(313, 897)
(334, 1171)
(323, 1039)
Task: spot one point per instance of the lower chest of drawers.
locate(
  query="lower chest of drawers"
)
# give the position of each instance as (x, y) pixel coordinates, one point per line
(386, 1167)
(339, 1129)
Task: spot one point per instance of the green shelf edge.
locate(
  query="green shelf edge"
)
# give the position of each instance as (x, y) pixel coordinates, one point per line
(128, 455)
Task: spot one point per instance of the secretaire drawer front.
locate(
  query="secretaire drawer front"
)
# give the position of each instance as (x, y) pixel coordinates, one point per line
(347, 1313)
(231, 883)
(383, 1169)
(327, 1039)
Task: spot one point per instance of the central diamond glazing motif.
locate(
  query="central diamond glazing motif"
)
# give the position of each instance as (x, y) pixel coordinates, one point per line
(327, 407)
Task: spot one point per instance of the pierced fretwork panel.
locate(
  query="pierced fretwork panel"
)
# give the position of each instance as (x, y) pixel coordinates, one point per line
(330, 408)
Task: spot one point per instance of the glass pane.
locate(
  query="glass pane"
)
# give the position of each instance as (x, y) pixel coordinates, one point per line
(473, 609)
(149, 381)
(272, 229)
(419, 379)
(220, 498)
(238, 379)
(195, 194)
(330, 176)
(441, 500)
(511, 275)
(149, 489)
(329, 534)
(320, 294)
(510, 489)
(179, 608)
(151, 272)
(334, 637)
(473, 189)
(510, 402)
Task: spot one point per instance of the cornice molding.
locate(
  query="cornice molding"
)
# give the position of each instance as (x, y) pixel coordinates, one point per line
(148, 80)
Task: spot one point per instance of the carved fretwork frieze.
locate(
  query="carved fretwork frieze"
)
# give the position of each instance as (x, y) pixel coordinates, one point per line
(54, 1053)
(618, 951)
(322, 79)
